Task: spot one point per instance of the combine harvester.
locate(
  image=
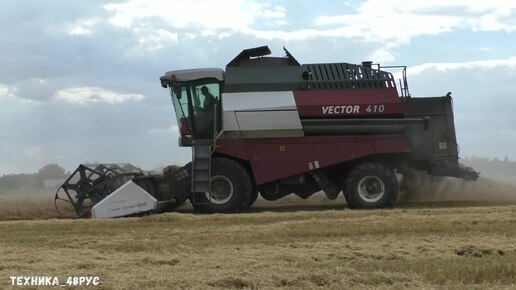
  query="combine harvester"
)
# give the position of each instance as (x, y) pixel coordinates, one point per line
(271, 126)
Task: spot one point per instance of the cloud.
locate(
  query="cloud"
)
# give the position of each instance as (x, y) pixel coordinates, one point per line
(173, 129)
(397, 21)
(382, 55)
(35, 89)
(150, 40)
(276, 12)
(87, 95)
(9, 95)
(389, 23)
(33, 152)
(83, 27)
(236, 14)
(471, 65)
(158, 25)
(8, 92)
(275, 16)
(4, 90)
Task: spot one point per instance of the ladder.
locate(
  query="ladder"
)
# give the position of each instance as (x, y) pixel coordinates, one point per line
(201, 166)
(202, 150)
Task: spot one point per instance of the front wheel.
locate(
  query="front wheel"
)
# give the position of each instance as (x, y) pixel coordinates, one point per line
(371, 185)
(252, 199)
(231, 188)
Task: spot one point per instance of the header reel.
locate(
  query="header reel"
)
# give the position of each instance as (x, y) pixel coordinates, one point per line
(91, 183)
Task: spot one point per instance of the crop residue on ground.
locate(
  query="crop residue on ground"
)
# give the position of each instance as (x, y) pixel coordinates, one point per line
(448, 247)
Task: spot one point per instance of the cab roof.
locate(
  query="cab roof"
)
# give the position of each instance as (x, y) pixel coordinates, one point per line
(191, 75)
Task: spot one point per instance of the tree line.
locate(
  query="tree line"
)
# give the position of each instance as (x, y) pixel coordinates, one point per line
(494, 167)
(33, 180)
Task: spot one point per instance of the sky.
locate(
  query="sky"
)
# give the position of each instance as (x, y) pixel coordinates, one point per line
(79, 80)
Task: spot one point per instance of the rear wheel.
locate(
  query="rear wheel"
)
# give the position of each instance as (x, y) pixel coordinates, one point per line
(231, 188)
(371, 185)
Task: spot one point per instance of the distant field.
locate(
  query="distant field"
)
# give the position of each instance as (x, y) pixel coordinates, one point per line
(466, 247)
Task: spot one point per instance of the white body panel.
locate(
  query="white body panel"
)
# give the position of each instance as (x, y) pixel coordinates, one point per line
(229, 121)
(268, 120)
(126, 200)
(261, 112)
(282, 100)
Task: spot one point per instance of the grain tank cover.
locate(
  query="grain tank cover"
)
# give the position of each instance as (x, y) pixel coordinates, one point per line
(253, 71)
(256, 57)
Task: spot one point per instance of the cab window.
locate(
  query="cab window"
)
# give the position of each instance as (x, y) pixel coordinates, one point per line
(205, 97)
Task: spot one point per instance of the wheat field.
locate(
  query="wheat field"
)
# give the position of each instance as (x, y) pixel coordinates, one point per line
(446, 242)
(454, 247)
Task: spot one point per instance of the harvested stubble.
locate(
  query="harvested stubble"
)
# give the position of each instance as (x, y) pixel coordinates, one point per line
(454, 247)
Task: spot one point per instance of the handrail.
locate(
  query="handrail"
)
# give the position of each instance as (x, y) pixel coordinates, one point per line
(214, 127)
(404, 89)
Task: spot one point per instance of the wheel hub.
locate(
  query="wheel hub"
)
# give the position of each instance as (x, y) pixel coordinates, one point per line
(371, 188)
(221, 190)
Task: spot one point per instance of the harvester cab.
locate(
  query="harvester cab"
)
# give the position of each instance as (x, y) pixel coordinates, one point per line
(196, 98)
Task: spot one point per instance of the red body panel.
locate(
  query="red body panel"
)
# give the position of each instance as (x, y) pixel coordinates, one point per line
(339, 103)
(272, 159)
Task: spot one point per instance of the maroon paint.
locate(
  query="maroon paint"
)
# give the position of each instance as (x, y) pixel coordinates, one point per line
(272, 159)
(185, 140)
(232, 147)
(311, 103)
(86, 215)
(384, 146)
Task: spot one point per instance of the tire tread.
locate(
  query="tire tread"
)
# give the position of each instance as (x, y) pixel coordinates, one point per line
(243, 195)
(349, 180)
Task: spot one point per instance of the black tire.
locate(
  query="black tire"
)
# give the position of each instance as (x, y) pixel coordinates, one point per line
(370, 185)
(254, 196)
(231, 188)
(179, 183)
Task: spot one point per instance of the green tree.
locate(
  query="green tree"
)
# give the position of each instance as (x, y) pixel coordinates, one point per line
(52, 171)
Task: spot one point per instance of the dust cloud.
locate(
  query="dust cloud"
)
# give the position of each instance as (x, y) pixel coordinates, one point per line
(420, 187)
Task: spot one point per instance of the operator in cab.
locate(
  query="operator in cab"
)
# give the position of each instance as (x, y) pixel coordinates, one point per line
(209, 99)
(204, 113)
